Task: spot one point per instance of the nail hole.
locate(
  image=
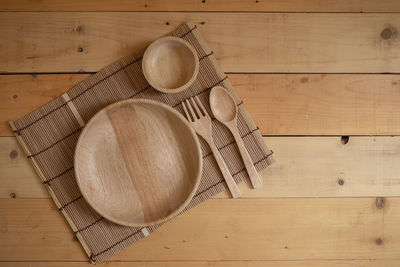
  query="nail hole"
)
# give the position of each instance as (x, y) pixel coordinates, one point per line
(203, 22)
(203, 1)
(15, 96)
(344, 139)
(256, 1)
(80, 49)
(13, 195)
(340, 182)
(379, 241)
(379, 202)
(167, 23)
(13, 154)
(145, 5)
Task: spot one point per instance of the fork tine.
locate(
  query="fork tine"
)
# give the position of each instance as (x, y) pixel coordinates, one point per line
(191, 110)
(186, 112)
(196, 107)
(201, 106)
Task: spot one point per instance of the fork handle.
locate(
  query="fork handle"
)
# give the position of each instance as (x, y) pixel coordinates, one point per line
(233, 188)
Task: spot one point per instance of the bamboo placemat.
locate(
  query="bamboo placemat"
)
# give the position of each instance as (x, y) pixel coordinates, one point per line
(49, 134)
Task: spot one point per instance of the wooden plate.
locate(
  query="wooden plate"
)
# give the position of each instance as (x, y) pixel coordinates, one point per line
(170, 64)
(138, 162)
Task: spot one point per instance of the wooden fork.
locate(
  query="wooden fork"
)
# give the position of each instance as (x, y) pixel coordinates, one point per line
(201, 123)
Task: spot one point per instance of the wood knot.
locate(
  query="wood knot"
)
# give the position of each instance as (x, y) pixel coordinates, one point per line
(14, 154)
(388, 32)
(379, 202)
(344, 139)
(80, 28)
(304, 80)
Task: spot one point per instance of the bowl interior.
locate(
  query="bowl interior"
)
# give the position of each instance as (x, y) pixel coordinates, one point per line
(170, 64)
(138, 163)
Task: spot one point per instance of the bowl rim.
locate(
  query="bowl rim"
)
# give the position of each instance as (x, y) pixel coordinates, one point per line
(149, 78)
(198, 174)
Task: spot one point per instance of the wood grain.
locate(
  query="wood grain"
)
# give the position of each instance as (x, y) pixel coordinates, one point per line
(305, 167)
(250, 42)
(21, 94)
(170, 64)
(121, 170)
(224, 109)
(247, 263)
(201, 123)
(209, 5)
(322, 104)
(280, 104)
(220, 229)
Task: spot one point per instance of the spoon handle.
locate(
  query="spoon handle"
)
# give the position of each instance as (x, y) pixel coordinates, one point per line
(248, 162)
(233, 188)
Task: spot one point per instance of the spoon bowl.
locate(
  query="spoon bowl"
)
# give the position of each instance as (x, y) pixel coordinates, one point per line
(222, 104)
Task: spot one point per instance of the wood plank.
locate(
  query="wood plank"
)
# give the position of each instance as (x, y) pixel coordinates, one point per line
(222, 229)
(250, 263)
(22, 94)
(208, 5)
(17, 175)
(322, 104)
(280, 104)
(242, 42)
(305, 167)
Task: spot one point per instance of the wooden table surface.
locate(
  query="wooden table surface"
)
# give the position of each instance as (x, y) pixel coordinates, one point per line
(319, 77)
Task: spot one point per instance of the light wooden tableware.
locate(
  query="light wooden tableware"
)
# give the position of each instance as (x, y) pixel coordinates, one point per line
(225, 110)
(170, 64)
(197, 115)
(138, 162)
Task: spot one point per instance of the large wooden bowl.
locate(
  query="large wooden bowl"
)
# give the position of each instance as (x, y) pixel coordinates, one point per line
(138, 162)
(170, 64)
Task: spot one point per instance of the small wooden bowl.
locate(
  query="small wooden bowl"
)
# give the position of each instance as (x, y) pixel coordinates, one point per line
(170, 64)
(138, 162)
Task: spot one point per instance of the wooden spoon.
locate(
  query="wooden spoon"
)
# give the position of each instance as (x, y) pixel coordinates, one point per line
(224, 109)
